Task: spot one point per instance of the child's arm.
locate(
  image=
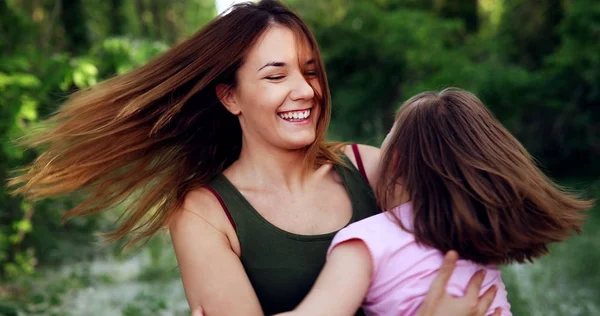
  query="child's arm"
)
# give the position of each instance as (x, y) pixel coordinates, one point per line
(342, 284)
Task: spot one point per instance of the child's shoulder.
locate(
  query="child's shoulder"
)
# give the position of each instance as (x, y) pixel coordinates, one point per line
(382, 235)
(371, 224)
(381, 228)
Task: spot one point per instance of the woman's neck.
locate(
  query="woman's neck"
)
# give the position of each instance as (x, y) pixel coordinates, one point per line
(264, 166)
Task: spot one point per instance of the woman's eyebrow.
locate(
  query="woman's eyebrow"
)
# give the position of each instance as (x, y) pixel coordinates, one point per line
(282, 64)
(273, 64)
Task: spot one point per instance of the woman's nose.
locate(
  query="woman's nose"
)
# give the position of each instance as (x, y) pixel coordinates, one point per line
(302, 90)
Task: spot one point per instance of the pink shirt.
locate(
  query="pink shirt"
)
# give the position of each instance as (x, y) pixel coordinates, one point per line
(403, 270)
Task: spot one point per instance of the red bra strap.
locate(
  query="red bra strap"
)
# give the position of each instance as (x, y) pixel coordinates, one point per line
(216, 194)
(359, 162)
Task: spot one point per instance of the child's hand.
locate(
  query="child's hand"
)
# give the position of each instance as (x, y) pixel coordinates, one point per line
(439, 302)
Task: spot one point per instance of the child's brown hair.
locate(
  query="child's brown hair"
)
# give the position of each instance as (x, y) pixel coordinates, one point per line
(473, 186)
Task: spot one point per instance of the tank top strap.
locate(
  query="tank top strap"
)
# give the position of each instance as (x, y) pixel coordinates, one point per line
(359, 162)
(359, 189)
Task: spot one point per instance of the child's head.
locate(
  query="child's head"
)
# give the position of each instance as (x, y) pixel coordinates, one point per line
(473, 186)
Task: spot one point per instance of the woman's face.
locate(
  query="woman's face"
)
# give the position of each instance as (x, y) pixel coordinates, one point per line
(274, 98)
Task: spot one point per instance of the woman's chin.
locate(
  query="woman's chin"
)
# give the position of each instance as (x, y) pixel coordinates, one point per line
(295, 143)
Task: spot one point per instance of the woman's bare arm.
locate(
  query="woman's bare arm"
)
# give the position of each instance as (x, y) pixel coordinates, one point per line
(345, 279)
(212, 273)
(342, 284)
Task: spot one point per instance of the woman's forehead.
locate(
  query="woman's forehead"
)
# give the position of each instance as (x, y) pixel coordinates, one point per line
(279, 44)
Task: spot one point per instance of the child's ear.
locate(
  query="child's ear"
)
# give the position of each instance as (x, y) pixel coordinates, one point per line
(226, 95)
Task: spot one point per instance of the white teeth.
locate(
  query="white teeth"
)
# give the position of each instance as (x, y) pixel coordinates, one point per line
(299, 115)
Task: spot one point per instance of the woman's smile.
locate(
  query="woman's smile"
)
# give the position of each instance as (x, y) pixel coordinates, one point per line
(302, 116)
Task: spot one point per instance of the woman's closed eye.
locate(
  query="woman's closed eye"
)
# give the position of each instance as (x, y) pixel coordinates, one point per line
(310, 74)
(275, 77)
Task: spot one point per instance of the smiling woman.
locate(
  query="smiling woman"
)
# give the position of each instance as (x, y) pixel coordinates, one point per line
(222, 139)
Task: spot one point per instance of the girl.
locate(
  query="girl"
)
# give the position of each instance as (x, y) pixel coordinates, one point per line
(452, 177)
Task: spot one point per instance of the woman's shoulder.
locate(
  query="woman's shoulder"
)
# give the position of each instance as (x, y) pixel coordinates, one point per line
(368, 155)
(200, 207)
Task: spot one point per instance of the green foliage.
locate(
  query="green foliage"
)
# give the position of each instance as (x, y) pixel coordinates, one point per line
(534, 64)
(144, 282)
(144, 304)
(162, 265)
(53, 49)
(373, 57)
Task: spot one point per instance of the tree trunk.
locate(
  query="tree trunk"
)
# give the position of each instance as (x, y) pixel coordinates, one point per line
(465, 10)
(532, 27)
(73, 20)
(117, 18)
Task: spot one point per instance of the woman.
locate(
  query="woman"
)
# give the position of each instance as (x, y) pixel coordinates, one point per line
(222, 139)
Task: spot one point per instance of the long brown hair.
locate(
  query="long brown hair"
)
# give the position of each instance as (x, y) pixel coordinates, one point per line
(159, 131)
(472, 185)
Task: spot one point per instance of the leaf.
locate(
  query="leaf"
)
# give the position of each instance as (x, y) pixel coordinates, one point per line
(89, 69)
(28, 108)
(23, 226)
(79, 79)
(27, 80)
(24, 80)
(5, 80)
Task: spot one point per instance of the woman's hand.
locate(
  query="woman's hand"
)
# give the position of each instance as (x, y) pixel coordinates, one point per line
(198, 311)
(439, 302)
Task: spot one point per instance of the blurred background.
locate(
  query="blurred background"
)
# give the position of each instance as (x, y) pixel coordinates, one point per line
(536, 64)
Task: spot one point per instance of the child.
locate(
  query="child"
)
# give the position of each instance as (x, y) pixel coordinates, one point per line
(452, 178)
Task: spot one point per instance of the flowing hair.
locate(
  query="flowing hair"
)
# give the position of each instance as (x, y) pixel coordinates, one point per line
(473, 187)
(150, 136)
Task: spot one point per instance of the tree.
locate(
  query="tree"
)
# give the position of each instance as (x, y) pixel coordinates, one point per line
(531, 28)
(73, 20)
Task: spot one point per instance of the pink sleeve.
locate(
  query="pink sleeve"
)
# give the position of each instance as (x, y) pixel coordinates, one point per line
(364, 233)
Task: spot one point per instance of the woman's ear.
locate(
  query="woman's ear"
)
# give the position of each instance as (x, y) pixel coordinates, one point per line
(227, 98)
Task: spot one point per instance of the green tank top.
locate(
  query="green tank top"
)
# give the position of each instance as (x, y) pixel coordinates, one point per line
(283, 266)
